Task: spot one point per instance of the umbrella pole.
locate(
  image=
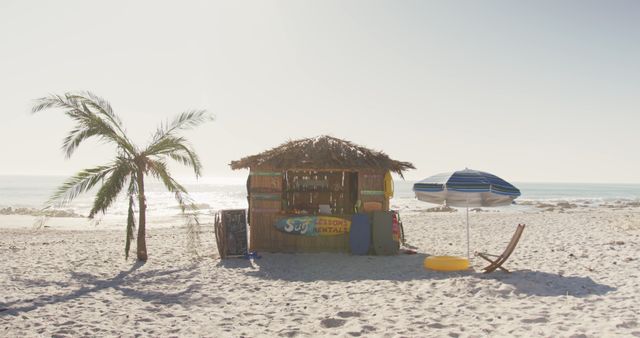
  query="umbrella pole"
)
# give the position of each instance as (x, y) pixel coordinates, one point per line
(468, 256)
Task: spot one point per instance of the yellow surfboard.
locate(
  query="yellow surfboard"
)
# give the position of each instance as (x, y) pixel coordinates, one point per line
(388, 185)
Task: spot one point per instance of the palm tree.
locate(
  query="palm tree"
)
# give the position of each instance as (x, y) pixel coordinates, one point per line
(94, 117)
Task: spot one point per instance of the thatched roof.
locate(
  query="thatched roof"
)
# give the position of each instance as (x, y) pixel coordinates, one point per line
(322, 152)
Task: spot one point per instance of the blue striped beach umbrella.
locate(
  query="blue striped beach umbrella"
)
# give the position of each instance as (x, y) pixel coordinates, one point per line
(466, 188)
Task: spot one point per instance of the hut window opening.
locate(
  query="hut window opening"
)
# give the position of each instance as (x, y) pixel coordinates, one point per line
(320, 192)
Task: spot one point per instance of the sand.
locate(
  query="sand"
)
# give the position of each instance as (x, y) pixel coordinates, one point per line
(575, 273)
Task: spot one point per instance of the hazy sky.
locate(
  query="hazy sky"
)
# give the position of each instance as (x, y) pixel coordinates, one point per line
(529, 90)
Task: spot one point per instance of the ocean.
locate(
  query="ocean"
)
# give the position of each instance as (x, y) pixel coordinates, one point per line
(216, 193)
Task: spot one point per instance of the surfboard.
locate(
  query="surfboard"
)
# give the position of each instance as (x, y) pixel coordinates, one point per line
(313, 225)
(383, 243)
(388, 185)
(360, 234)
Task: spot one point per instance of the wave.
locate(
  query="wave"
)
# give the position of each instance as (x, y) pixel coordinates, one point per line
(40, 212)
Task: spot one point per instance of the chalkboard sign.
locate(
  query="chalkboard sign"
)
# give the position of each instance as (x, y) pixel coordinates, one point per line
(231, 232)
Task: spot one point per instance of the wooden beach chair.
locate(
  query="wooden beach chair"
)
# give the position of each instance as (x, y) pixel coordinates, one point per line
(496, 263)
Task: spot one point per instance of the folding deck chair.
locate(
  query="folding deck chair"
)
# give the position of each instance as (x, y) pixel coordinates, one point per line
(497, 262)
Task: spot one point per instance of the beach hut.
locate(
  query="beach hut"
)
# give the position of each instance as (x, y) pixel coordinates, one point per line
(303, 193)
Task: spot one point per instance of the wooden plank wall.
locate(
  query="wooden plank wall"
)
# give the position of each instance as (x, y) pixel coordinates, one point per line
(265, 210)
(265, 204)
(371, 188)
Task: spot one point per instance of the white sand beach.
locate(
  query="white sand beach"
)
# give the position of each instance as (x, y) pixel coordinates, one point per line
(575, 274)
(302, 114)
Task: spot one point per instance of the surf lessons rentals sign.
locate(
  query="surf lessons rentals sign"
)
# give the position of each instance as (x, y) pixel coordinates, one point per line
(313, 225)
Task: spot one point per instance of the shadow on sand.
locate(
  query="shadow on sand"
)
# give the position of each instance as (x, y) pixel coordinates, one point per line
(235, 263)
(342, 267)
(124, 282)
(544, 284)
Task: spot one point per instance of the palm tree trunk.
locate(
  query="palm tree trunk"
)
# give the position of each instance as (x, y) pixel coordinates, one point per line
(141, 240)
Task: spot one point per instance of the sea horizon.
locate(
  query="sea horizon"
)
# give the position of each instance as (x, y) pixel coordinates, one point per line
(213, 193)
(242, 179)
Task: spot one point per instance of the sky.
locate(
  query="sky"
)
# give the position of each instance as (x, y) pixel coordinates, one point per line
(532, 91)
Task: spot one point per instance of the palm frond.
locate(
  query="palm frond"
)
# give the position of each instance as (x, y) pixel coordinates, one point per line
(159, 170)
(192, 225)
(79, 183)
(102, 106)
(186, 120)
(111, 187)
(178, 149)
(47, 102)
(73, 140)
(88, 123)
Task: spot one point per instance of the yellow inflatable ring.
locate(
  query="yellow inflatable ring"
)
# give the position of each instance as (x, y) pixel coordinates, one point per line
(446, 263)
